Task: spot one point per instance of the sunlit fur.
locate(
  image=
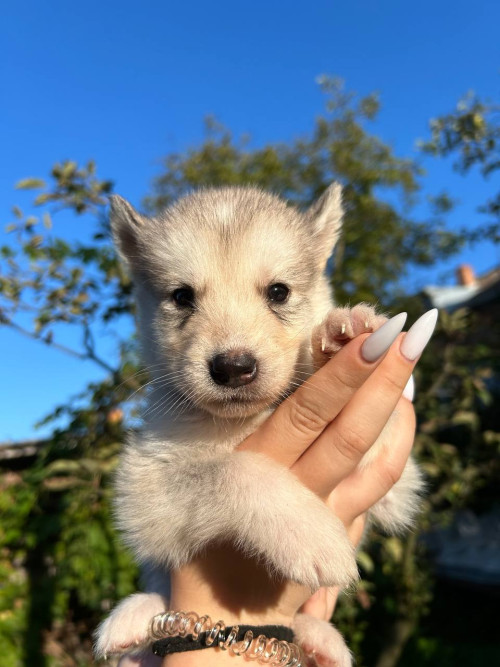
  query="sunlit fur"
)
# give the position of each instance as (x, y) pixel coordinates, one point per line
(228, 245)
(180, 484)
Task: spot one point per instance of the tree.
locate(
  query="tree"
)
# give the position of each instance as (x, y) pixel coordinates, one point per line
(471, 134)
(68, 564)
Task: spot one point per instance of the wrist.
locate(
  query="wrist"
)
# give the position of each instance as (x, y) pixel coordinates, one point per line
(216, 657)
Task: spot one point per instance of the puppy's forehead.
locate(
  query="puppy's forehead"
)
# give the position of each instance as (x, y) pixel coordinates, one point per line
(237, 230)
(228, 211)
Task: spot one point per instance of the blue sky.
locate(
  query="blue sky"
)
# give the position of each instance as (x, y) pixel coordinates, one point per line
(126, 82)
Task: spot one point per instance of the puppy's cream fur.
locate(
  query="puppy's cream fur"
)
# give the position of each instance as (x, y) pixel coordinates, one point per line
(180, 475)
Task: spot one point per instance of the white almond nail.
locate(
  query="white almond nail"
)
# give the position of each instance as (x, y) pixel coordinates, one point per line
(382, 339)
(409, 390)
(419, 334)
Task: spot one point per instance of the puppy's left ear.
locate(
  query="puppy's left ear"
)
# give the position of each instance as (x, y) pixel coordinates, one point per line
(325, 218)
(127, 226)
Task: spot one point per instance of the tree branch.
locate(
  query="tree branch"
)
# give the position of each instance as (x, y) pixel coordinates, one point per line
(90, 355)
(89, 344)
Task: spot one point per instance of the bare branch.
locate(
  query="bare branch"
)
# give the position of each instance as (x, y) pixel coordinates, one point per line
(90, 355)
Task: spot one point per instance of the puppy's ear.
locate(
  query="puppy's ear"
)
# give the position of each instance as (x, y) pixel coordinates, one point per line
(126, 226)
(325, 218)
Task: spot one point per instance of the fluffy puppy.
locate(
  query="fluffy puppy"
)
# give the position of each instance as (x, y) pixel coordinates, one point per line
(234, 311)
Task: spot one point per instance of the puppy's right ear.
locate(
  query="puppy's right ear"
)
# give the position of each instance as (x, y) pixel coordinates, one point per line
(126, 225)
(325, 217)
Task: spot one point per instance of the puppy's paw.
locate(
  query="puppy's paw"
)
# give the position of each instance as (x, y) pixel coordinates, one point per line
(275, 516)
(339, 327)
(321, 642)
(317, 553)
(126, 628)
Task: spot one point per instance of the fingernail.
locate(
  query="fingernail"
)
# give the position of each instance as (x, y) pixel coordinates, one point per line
(382, 339)
(419, 335)
(409, 390)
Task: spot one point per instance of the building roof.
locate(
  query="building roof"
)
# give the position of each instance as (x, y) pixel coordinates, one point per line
(478, 292)
(20, 450)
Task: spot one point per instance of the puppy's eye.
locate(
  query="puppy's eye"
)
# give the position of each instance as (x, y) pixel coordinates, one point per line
(278, 293)
(183, 297)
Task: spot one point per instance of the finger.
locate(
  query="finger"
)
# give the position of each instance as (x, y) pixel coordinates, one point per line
(342, 445)
(356, 529)
(300, 419)
(321, 604)
(364, 487)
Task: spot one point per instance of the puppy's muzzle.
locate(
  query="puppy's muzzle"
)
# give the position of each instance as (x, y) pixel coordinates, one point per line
(233, 369)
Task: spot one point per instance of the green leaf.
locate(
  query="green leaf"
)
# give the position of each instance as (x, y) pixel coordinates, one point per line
(366, 562)
(30, 184)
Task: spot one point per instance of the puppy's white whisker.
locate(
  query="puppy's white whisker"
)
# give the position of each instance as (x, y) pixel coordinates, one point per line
(159, 380)
(164, 397)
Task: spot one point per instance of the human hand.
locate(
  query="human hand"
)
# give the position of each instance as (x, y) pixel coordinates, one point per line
(320, 433)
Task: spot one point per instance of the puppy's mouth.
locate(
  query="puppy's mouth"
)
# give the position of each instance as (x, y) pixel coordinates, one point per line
(233, 400)
(245, 401)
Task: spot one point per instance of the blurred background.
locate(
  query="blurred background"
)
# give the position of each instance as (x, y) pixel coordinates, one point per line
(397, 101)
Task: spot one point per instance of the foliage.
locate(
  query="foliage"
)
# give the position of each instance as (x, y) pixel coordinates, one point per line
(472, 135)
(61, 561)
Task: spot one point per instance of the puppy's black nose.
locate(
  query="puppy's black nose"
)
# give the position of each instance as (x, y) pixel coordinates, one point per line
(233, 369)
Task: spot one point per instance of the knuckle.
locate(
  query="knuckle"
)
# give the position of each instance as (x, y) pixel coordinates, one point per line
(306, 420)
(348, 380)
(394, 383)
(350, 444)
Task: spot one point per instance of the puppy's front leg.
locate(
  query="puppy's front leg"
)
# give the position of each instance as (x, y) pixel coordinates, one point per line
(242, 497)
(126, 628)
(322, 641)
